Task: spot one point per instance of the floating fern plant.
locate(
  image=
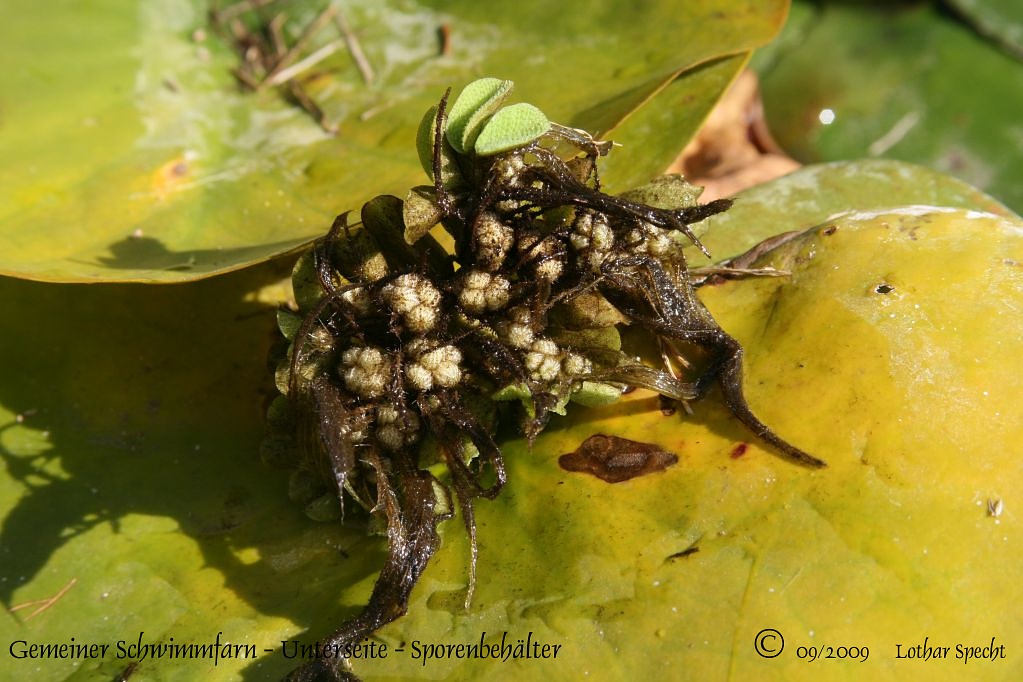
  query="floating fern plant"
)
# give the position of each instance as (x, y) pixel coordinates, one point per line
(404, 353)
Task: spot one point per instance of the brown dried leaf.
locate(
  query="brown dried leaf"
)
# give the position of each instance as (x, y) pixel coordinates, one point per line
(614, 459)
(733, 149)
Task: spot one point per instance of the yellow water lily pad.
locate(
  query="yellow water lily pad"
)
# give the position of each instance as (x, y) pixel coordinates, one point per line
(892, 351)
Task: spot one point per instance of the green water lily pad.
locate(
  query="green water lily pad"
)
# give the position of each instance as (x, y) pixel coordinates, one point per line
(1000, 20)
(813, 194)
(900, 81)
(133, 155)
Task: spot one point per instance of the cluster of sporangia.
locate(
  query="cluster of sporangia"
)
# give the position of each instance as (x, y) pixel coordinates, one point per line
(402, 350)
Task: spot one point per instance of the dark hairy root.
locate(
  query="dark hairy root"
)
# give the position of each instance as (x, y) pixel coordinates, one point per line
(412, 540)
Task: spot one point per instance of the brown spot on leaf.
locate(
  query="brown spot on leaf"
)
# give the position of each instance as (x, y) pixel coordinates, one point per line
(615, 459)
(739, 450)
(172, 176)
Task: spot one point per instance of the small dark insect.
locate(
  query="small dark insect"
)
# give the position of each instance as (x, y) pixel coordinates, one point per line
(404, 354)
(688, 551)
(615, 459)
